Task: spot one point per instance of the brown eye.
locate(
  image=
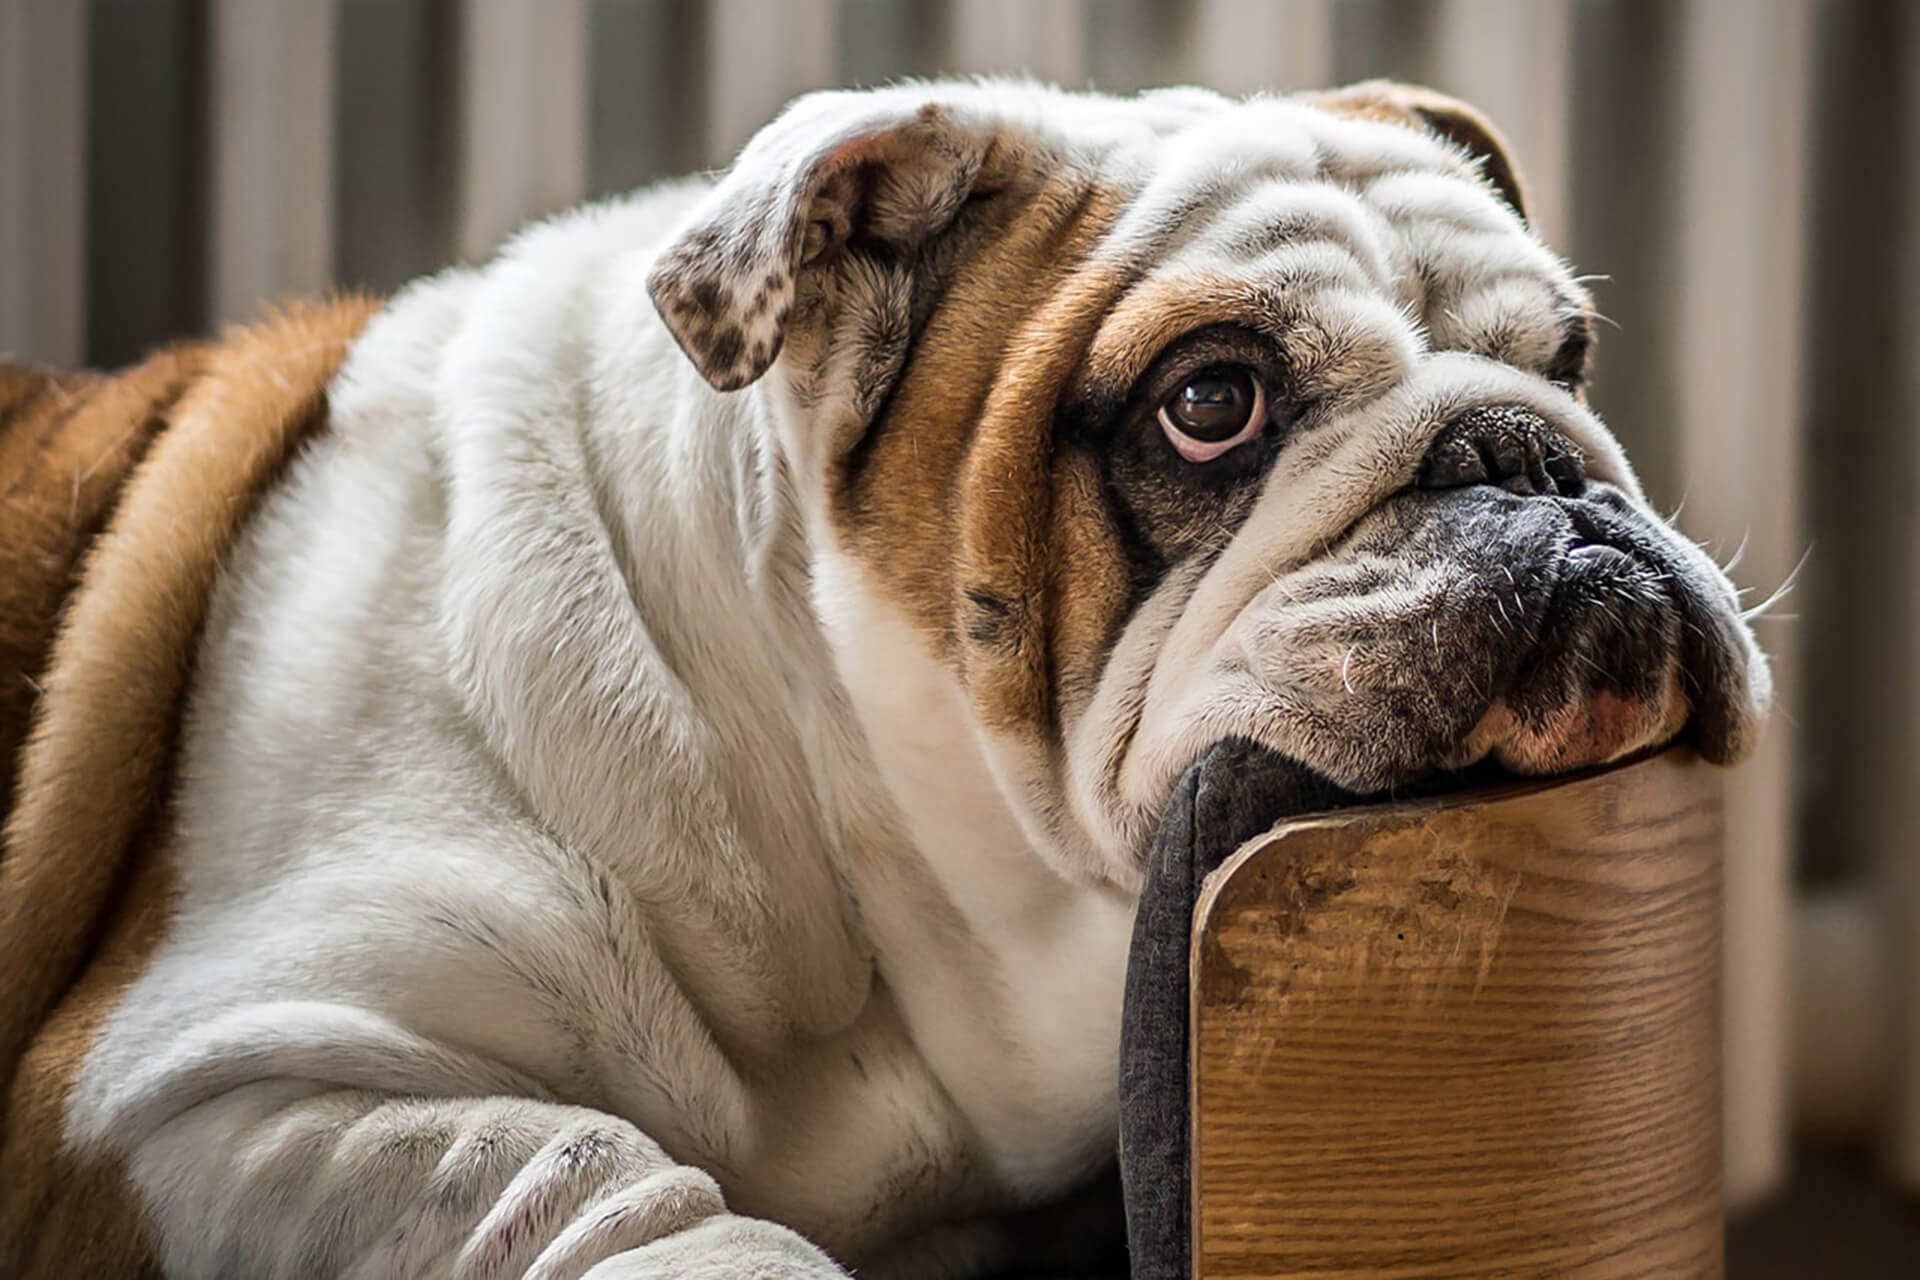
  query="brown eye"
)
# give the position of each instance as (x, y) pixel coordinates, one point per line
(1213, 411)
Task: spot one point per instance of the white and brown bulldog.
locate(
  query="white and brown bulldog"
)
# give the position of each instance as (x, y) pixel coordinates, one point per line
(671, 721)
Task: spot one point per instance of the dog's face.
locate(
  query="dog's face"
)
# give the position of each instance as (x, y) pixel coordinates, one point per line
(1168, 420)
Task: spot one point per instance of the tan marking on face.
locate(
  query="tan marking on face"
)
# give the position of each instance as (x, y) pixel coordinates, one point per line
(1161, 309)
(80, 869)
(953, 502)
(1006, 493)
(1088, 585)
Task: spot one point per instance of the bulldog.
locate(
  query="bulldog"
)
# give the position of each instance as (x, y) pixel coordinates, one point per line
(636, 759)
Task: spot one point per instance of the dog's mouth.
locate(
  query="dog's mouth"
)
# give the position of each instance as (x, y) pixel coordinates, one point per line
(1470, 636)
(1587, 662)
(1463, 631)
(1622, 633)
(1583, 632)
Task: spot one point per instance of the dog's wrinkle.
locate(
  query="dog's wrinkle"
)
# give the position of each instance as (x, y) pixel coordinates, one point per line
(1161, 224)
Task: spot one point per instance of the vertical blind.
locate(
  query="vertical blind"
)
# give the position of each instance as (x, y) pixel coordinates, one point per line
(1744, 174)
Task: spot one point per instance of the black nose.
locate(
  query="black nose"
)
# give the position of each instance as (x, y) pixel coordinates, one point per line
(1511, 448)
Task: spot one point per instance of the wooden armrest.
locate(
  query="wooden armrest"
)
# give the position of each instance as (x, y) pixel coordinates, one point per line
(1468, 1037)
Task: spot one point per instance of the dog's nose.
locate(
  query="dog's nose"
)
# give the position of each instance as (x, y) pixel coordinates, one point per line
(1506, 446)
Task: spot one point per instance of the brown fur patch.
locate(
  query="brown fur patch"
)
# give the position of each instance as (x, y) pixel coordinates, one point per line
(62, 1215)
(1009, 487)
(209, 430)
(952, 507)
(67, 442)
(1088, 588)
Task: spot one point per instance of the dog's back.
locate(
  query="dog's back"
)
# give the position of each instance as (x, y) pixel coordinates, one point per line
(120, 494)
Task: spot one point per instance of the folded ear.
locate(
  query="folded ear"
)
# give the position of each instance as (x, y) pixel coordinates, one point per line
(883, 170)
(1437, 113)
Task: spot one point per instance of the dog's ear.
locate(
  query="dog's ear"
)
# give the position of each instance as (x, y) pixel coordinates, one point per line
(878, 171)
(1437, 113)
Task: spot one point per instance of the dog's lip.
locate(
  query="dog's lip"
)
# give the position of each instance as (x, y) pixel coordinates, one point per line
(1488, 772)
(1592, 559)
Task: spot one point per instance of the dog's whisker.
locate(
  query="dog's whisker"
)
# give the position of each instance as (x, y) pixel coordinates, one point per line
(1780, 592)
(1739, 554)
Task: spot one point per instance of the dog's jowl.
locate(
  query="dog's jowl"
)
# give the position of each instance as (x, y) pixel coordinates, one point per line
(637, 758)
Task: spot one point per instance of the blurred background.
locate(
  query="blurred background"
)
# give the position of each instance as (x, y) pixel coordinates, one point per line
(1742, 176)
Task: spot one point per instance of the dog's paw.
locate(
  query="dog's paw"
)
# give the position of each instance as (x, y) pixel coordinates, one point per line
(726, 1247)
(521, 1188)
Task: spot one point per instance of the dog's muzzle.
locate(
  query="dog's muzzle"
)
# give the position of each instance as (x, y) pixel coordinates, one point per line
(1506, 607)
(1585, 637)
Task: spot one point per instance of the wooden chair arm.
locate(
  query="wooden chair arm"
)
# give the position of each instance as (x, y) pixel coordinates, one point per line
(1468, 1037)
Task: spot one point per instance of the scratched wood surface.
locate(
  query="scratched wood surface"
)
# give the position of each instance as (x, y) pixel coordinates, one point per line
(1470, 1037)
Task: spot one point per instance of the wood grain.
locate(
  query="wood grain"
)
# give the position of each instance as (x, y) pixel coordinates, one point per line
(1470, 1037)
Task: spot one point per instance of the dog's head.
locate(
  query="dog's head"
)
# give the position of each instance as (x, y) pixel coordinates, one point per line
(1160, 421)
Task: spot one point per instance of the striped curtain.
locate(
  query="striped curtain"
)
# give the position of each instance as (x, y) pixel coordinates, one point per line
(1745, 173)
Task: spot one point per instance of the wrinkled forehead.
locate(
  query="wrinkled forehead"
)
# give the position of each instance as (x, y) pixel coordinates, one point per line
(1353, 244)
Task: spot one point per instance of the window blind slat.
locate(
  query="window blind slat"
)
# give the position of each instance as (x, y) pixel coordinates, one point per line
(1737, 302)
(760, 54)
(1255, 46)
(1513, 59)
(520, 117)
(1045, 38)
(1900, 846)
(43, 114)
(270, 162)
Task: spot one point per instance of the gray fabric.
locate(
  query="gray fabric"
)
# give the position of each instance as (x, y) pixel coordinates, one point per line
(1237, 791)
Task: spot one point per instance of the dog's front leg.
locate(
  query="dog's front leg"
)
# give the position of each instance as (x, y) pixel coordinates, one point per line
(286, 1178)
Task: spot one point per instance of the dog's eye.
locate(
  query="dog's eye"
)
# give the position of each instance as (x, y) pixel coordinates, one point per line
(1213, 411)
